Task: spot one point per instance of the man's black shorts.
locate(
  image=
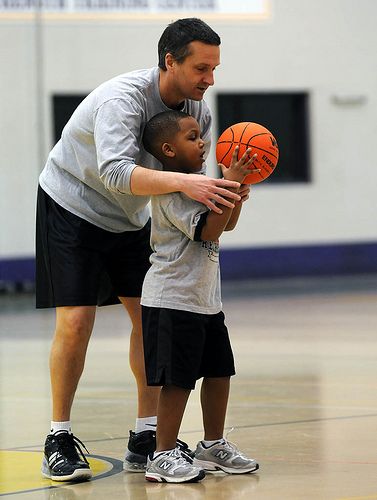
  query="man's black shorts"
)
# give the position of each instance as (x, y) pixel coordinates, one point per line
(79, 264)
(180, 347)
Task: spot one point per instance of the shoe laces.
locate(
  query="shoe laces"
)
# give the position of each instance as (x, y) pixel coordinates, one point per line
(184, 448)
(66, 441)
(182, 445)
(180, 457)
(232, 446)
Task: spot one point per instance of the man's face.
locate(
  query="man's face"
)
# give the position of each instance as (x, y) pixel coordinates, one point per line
(195, 74)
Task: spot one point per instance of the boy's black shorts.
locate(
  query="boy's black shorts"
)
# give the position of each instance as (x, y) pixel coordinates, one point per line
(180, 347)
(79, 264)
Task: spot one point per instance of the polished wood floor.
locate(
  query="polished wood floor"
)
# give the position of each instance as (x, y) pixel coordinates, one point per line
(303, 402)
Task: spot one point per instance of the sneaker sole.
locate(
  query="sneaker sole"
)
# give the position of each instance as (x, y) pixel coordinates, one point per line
(213, 467)
(77, 475)
(134, 466)
(157, 478)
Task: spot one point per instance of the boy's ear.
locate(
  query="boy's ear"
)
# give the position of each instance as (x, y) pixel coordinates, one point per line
(167, 150)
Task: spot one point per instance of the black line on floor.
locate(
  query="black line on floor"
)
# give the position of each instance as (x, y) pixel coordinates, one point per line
(249, 426)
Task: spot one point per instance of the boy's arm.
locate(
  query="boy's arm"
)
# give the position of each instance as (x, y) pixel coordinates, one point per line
(244, 193)
(216, 223)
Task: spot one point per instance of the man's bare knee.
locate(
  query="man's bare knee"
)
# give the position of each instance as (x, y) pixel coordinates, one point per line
(75, 323)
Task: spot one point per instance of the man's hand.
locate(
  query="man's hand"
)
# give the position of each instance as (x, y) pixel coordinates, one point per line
(210, 191)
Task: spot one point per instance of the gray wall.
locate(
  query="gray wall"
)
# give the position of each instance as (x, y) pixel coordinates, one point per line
(326, 47)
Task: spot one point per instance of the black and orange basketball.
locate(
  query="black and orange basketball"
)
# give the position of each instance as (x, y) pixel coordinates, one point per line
(256, 137)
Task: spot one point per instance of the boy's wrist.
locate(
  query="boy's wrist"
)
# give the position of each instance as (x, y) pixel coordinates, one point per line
(230, 175)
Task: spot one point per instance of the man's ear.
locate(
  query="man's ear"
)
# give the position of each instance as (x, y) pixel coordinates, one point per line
(169, 61)
(167, 150)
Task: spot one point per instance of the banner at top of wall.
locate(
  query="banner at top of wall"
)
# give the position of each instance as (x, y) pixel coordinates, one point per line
(138, 8)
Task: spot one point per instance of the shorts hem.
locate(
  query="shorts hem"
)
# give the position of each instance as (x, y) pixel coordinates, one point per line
(68, 303)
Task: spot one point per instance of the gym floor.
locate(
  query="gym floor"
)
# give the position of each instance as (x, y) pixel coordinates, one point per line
(303, 402)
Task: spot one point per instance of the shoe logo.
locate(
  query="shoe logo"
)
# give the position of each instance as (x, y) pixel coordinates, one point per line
(54, 457)
(165, 465)
(222, 455)
(55, 460)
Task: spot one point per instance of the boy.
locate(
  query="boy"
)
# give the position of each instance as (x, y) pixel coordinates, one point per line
(181, 308)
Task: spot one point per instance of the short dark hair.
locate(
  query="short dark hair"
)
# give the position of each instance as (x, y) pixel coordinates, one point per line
(177, 36)
(161, 128)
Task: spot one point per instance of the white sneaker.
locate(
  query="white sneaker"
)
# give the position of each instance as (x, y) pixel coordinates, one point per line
(224, 456)
(172, 467)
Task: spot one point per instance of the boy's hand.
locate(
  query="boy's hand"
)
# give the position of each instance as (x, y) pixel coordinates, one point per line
(239, 169)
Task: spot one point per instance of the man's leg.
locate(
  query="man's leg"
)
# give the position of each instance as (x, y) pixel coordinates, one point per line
(140, 444)
(147, 395)
(74, 326)
(73, 329)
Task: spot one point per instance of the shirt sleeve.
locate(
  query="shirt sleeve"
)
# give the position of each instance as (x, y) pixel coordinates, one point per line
(117, 125)
(198, 230)
(185, 214)
(206, 131)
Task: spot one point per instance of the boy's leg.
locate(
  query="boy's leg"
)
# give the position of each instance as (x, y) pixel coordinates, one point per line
(216, 453)
(171, 406)
(169, 464)
(141, 444)
(214, 400)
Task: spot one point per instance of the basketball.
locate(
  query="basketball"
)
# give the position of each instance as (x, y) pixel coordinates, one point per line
(256, 137)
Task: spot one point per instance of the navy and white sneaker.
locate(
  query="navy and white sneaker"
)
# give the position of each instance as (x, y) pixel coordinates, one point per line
(141, 445)
(61, 461)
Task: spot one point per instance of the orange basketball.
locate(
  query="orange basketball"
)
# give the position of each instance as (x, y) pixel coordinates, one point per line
(258, 139)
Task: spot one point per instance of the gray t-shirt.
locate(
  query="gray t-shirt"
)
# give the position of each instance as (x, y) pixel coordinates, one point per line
(88, 171)
(185, 274)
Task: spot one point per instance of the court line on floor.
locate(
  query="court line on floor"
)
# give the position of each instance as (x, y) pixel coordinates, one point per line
(117, 467)
(249, 426)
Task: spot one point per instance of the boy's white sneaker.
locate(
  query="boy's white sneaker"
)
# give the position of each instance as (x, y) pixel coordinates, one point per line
(223, 456)
(172, 467)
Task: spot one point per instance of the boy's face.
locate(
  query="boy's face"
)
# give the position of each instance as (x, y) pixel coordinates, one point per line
(188, 146)
(195, 74)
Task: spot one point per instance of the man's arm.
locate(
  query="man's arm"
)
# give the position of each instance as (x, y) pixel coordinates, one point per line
(201, 188)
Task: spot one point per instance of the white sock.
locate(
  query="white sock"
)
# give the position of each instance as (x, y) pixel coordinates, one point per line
(146, 424)
(61, 426)
(207, 444)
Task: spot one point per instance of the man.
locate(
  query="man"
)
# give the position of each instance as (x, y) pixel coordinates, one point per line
(93, 223)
